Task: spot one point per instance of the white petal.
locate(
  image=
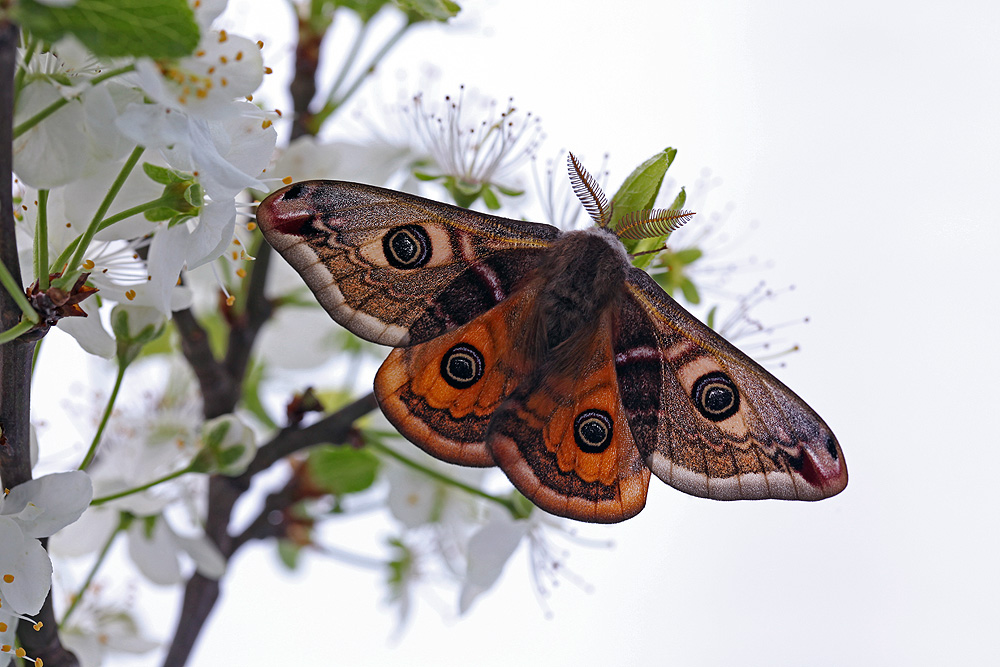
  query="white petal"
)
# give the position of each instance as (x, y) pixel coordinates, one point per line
(28, 563)
(55, 151)
(155, 556)
(89, 332)
(167, 256)
(86, 535)
(489, 550)
(61, 496)
(207, 558)
(154, 126)
(220, 178)
(85, 645)
(214, 233)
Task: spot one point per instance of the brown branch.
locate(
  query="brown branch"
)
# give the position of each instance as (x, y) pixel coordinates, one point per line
(303, 85)
(258, 310)
(15, 358)
(331, 429)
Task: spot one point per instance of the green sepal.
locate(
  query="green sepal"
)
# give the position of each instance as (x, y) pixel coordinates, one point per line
(675, 277)
(365, 9)
(428, 10)
(161, 175)
(710, 318)
(689, 291)
(490, 198)
(399, 565)
(116, 28)
(510, 192)
(288, 554)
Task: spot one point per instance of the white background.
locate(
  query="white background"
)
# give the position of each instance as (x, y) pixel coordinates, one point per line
(863, 137)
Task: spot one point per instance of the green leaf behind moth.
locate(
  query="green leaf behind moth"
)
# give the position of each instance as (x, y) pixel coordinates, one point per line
(639, 190)
(112, 28)
(638, 193)
(342, 470)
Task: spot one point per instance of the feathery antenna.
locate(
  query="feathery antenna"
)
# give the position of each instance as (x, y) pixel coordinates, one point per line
(651, 223)
(589, 192)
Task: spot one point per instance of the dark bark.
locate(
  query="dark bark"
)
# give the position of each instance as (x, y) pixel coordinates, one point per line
(15, 359)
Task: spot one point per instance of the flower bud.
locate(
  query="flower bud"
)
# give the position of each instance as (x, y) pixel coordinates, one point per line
(228, 446)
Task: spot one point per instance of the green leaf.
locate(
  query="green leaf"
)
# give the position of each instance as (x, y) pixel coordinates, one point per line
(639, 190)
(686, 256)
(679, 200)
(153, 28)
(428, 10)
(638, 193)
(341, 470)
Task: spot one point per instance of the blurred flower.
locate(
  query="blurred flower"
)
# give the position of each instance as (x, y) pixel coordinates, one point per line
(487, 554)
(155, 548)
(146, 442)
(473, 158)
(100, 629)
(374, 162)
(223, 67)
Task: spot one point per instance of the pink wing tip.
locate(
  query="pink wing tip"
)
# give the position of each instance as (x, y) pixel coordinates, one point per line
(286, 210)
(824, 468)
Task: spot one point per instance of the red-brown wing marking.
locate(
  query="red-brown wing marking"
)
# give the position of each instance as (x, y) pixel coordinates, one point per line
(394, 268)
(707, 418)
(441, 394)
(564, 442)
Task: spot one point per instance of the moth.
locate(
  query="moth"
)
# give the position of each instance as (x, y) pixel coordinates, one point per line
(547, 353)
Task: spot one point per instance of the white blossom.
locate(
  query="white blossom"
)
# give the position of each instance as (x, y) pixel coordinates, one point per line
(35, 509)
